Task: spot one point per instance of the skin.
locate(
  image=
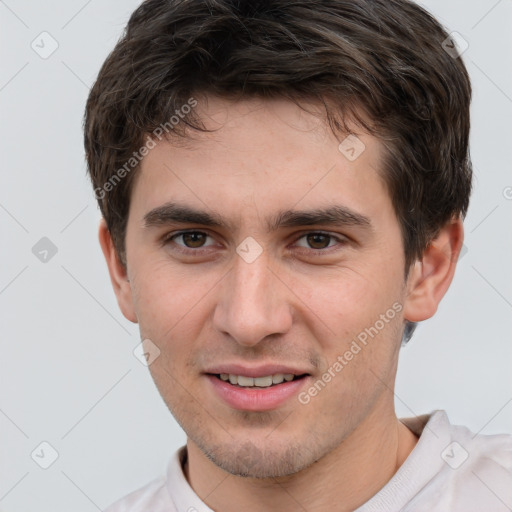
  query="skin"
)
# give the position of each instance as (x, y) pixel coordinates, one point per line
(298, 303)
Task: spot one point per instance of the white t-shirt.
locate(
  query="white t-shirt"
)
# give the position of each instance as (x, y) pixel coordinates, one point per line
(449, 470)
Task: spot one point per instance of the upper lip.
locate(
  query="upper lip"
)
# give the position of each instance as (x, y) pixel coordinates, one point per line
(254, 371)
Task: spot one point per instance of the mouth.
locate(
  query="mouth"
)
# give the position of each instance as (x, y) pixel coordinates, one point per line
(261, 393)
(267, 381)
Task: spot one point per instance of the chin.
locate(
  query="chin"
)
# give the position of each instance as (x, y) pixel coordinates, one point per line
(249, 461)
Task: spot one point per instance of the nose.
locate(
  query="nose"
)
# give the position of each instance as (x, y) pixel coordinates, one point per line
(253, 303)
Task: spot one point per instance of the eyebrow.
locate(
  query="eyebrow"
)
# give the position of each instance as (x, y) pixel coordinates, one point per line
(174, 213)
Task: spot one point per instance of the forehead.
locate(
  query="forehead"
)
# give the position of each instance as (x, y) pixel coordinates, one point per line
(263, 155)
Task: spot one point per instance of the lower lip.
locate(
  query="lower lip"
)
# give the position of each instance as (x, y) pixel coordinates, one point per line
(254, 398)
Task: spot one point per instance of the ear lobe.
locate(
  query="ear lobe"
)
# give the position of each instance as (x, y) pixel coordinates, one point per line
(431, 276)
(117, 271)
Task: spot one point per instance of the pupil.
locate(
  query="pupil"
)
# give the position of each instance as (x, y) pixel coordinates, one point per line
(318, 241)
(193, 239)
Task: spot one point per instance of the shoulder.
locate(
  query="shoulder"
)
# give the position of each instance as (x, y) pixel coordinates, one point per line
(475, 450)
(485, 460)
(152, 496)
(167, 493)
(459, 444)
(473, 471)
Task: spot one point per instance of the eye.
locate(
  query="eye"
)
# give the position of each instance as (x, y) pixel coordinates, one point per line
(190, 239)
(193, 241)
(319, 241)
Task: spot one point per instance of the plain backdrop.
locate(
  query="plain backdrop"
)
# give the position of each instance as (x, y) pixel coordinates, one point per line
(68, 374)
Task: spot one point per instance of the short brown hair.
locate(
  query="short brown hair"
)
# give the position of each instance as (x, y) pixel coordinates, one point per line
(381, 63)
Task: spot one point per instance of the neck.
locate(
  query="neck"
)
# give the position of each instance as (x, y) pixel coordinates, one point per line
(341, 481)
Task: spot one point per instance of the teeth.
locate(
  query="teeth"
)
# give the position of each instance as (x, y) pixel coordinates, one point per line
(263, 382)
(260, 382)
(277, 378)
(245, 381)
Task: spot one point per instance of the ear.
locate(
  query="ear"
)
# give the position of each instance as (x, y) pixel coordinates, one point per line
(431, 276)
(118, 274)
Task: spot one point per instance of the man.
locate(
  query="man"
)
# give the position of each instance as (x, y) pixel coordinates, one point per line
(282, 187)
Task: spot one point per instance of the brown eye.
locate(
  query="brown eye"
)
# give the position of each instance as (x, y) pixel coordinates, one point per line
(190, 239)
(318, 240)
(194, 240)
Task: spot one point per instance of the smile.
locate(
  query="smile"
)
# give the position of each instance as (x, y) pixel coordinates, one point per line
(257, 394)
(260, 382)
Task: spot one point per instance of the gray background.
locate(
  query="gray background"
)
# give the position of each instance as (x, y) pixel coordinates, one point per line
(69, 376)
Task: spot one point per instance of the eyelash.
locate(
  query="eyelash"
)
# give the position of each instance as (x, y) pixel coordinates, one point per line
(190, 251)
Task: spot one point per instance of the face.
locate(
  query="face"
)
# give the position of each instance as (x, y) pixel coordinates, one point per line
(258, 253)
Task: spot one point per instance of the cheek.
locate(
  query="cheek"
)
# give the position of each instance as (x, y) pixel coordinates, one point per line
(359, 325)
(358, 372)
(168, 302)
(347, 300)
